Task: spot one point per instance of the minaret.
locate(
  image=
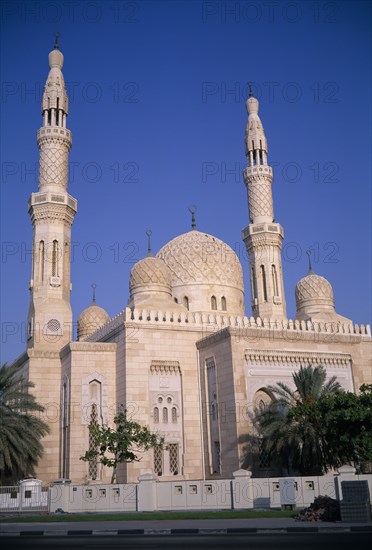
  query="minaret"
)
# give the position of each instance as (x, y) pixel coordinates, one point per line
(52, 212)
(263, 237)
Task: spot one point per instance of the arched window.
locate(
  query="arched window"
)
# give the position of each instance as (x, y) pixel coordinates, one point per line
(41, 260)
(213, 302)
(253, 284)
(93, 390)
(174, 415)
(176, 300)
(55, 259)
(275, 280)
(223, 304)
(156, 415)
(263, 282)
(186, 302)
(165, 415)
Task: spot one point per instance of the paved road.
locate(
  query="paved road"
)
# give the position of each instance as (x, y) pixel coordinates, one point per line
(290, 541)
(256, 523)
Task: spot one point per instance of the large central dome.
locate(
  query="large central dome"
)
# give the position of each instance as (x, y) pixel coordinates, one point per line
(205, 270)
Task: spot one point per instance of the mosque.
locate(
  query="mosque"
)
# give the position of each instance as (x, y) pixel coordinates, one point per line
(182, 356)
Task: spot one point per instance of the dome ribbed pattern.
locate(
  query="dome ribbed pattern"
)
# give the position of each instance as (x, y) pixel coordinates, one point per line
(90, 320)
(313, 289)
(148, 272)
(196, 257)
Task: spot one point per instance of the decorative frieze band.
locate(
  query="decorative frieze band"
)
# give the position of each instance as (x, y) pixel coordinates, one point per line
(165, 367)
(303, 358)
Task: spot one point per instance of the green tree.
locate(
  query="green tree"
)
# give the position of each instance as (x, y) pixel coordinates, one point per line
(115, 446)
(20, 430)
(346, 420)
(291, 435)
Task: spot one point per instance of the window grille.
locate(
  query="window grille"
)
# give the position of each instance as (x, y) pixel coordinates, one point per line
(156, 415)
(173, 458)
(174, 415)
(263, 457)
(158, 461)
(165, 415)
(93, 466)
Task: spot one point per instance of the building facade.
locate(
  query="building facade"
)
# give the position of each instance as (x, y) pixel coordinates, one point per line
(182, 357)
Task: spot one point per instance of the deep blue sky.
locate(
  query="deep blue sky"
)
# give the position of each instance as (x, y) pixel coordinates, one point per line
(157, 110)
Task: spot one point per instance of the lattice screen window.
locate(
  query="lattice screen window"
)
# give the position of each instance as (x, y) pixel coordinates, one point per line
(173, 458)
(174, 415)
(263, 458)
(156, 415)
(165, 415)
(93, 466)
(158, 461)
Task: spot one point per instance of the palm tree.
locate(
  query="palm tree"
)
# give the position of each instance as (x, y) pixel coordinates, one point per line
(20, 429)
(290, 428)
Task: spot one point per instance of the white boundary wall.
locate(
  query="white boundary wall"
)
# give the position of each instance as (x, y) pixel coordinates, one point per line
(242, 493)
(93, 498)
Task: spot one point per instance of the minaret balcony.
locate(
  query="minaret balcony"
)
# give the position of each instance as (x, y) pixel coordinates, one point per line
(258, 170)
(54, 130)
(48, 133)
(256, 228)
(52, 197)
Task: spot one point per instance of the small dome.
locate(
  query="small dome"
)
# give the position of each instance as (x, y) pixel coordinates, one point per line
(91, 319)
(149, 274)
(314, 293)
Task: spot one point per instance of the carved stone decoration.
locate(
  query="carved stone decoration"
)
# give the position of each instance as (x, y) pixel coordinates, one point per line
(304, 358)
(165, 367)
(53, 166)
(260, 200)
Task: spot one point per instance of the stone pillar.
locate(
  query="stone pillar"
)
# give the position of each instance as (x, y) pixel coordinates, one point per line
(147, 501)
(242, 490)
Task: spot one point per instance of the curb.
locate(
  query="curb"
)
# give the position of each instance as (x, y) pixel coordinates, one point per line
(202, 531)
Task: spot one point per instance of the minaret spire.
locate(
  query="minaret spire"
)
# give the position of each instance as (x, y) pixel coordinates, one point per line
(263, 237)
(52, 211)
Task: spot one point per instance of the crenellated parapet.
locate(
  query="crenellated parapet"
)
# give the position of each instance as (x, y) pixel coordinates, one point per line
(206, 322)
